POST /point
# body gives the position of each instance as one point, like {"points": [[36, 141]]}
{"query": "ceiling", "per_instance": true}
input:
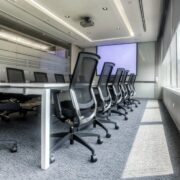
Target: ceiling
{"points": [[60, 19]]}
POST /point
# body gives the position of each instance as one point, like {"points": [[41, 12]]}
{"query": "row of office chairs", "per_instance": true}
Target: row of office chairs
{"points": [[17, 76], [90, 105]]}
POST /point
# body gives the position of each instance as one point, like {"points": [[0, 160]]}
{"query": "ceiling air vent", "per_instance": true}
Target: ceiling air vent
{"points": [[142, 14], [86, 22]]}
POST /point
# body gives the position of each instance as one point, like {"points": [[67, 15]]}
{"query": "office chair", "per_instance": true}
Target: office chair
{"points": [[81, 111], [7, 108], [40, 77], [133, 86], [124, 90], [117, 94], [15, 75], [27, 103], [132, 89], [104, 96], [59, 78], [120, 105]]}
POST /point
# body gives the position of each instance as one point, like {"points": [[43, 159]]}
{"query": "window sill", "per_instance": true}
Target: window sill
{"points": [[173, 90]]}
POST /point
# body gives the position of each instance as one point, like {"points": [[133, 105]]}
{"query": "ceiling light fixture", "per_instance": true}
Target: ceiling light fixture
{"points": [[67, 17], [118, 28], [56, 18], [124, 16], [12, 37], [104, 8]]}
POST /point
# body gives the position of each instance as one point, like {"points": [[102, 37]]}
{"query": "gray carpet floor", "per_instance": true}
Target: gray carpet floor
{"points": [[146, 147]]}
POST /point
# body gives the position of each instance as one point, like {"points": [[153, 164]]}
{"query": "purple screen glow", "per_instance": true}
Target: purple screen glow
{"points": [[123, 56]]}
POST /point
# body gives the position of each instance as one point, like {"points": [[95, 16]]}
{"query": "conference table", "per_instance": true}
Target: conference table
{"points": [[43, 90]]}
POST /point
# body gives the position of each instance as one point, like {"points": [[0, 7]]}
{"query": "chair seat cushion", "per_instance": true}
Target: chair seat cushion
{"points": [[68, 109], [9, 106]]}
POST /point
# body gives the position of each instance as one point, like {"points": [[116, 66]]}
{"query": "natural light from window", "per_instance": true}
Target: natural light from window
{"points": [[149, 156]]}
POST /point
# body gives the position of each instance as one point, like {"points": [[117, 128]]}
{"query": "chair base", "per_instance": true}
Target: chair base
{"points": [[13, 148], [75, 136], [120, 113], [104, 118], [96, 122]]}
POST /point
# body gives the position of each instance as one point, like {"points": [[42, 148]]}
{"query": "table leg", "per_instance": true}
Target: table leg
{"points": [[45, 129]]}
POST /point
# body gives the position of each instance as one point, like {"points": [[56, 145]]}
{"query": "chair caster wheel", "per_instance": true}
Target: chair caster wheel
{"points": [[116, 127], [136, 106], [52, 159], [131, 110], [108, 135], [126, 118], [93, 158], [99, 141], [14, 148], [126, 112]]}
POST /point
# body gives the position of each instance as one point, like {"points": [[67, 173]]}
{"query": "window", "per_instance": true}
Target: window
{"points": [[171, 63], [173, 59], [178, 55], [167, 69]]}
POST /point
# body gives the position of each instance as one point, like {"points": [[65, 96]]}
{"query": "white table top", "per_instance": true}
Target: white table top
{"points": [[34, 85], [37, 85]]}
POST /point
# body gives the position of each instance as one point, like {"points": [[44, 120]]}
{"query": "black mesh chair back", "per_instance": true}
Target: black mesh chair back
{"points": [[122, 82], [133, 80], [81, 91], [129, 84], [119, 74], [122, 76], [59, 78], [40, 77], [15, 75], [104, 79], [111, 79], [125, 75], [130, 79]]}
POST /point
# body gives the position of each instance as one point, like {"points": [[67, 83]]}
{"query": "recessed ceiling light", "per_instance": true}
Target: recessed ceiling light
{"points": [[118, 28], [13, 1], [67, 17], [104, 8]]}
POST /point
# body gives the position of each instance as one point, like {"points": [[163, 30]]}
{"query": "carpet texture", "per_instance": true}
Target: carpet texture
{"points": [[147, 147]]}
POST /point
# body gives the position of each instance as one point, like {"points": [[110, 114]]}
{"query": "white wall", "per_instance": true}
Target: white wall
{"points": [[74, 54], [145, 86], [30, 60]]}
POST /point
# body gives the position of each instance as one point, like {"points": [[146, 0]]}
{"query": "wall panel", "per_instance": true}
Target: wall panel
{"points": [[17, 56]]}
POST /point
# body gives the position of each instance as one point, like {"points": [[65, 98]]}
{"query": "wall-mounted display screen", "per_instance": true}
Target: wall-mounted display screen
{"points": [[123, 56]]}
